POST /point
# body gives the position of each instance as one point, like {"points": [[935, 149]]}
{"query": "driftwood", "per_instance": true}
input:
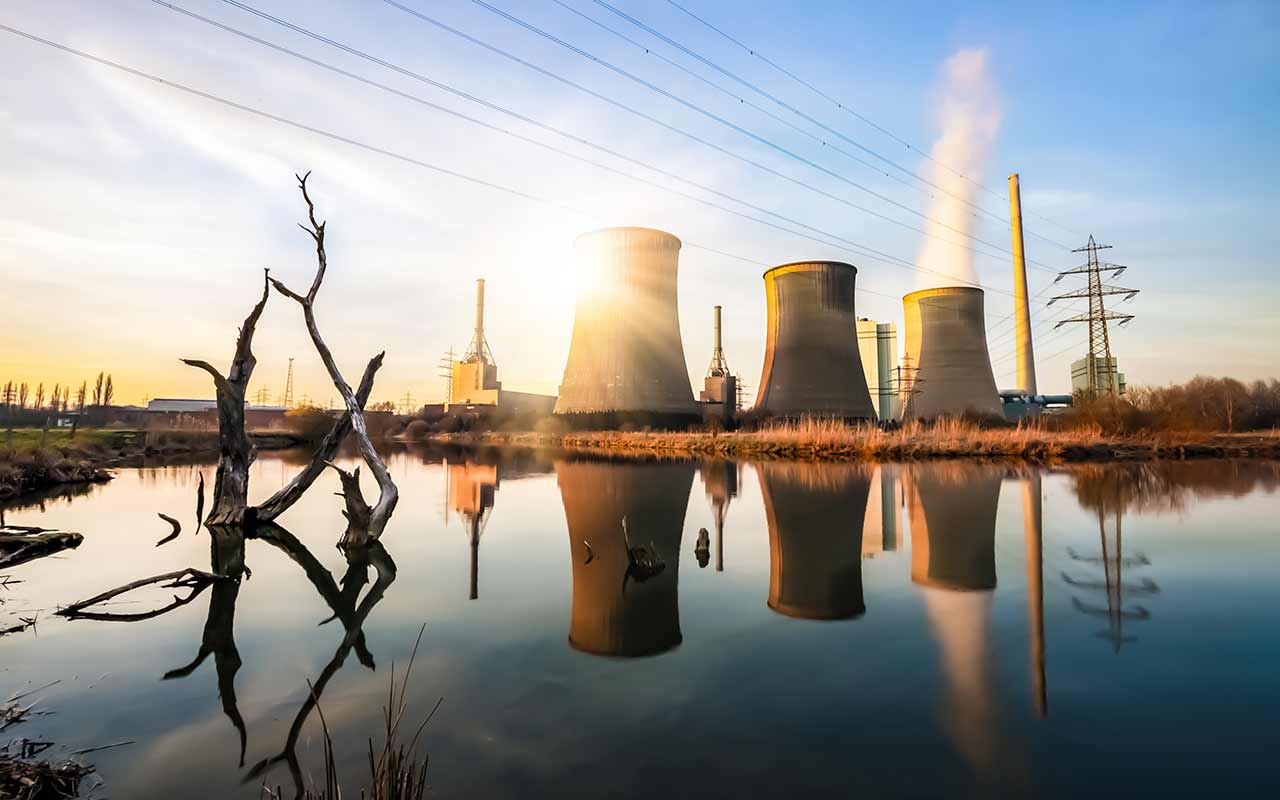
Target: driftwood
{"points": [[235, 450], [279, 502], [177, 529], [20, 544], [388, 494], [200, 503], [195, 580]]}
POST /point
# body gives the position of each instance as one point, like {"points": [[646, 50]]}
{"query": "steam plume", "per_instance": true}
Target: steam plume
{"points": [[969, 114]]}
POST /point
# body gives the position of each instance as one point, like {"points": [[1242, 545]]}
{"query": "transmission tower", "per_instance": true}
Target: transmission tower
{"points": [[408, 403], [1097, 316], [262, 396], [288, 387], [445, 371]]}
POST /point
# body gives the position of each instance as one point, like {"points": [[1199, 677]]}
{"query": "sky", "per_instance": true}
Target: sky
{"points": [[136, 219]]}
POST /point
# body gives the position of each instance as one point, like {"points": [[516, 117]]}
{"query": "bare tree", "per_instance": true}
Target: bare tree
{"points": [[388, 494], [55, 397], [80, 398], [97, 390], [22, 396], [39, 396], [235, 450], [108, 392]]}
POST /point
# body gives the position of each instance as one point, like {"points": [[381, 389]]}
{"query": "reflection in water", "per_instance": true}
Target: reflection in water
{"points": [[625, 523], [1033, 534], [884, 512], [815, 522], [953, 528], [472, 488], [720, 481]]}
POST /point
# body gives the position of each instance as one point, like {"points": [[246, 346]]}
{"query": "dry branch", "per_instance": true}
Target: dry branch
{"points": [[235, 450], [177, 529], [189, 578], [388, 494], [17, 546]]}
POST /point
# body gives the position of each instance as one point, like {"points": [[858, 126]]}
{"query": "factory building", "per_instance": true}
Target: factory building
{"points": [[815, 538], [626, 353], [625, 524], [812, 364], [474, 384], [878, 348], [1101, 366], [946, 366], [719, 396]]}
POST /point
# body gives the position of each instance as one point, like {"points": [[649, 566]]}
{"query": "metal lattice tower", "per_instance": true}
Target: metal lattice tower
{"points": [[408, 402], [478, 350], [288, 387], [445, 370], [1097, 316]]}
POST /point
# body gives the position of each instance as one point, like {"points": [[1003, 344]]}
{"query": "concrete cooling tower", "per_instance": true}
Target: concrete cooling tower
{"points": [[953, 526], [811, 359], [815, 517], [623, 606], [947, 369], [626, 353]]}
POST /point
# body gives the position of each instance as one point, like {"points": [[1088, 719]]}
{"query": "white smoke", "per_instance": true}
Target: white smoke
{"points": [[968, 113]]}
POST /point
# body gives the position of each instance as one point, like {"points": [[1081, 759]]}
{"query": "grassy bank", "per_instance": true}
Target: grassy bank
{"points": [[825, 440]]}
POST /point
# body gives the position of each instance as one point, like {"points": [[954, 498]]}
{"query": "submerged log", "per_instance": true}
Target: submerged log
{"points": [[195, 580], [235, 450], [18, 546]]}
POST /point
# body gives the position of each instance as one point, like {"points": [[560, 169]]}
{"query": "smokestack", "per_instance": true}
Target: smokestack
{"points": [[947, 369], [811, 359], [717, 323], [1026, 362], [479, 309]]}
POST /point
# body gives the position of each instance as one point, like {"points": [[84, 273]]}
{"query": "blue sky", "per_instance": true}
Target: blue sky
{"points": [[136, 219]]}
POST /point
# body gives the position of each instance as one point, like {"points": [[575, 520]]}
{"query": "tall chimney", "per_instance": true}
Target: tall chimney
{"points": [[1026, 362], [480, 310], [717, 317]]}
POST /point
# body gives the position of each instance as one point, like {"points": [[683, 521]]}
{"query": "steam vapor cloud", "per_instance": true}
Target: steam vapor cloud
{"points": [[968, 113]]}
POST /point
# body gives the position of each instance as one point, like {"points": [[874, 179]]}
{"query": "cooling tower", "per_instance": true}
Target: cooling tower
{"points": [[953, 526], [620, 608], [811, 359], [626, 353], [946, 366], [815, 516]]}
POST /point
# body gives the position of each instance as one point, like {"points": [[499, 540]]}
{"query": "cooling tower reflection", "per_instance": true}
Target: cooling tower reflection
{"points": [[625, 524], [815, 519], [953, 525]]}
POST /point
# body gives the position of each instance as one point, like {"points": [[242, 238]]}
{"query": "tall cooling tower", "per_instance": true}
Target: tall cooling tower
{"points": [[619, 609], [626, 353], [953, 526], [815, 516], [811, 359], [946, 366]]}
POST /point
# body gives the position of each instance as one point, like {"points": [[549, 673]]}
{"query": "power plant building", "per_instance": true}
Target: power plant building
{"points": [[946, 365], [474, 380], [719, 396], [626, 353], [812, 364], [1101, 366], [878, 347]]}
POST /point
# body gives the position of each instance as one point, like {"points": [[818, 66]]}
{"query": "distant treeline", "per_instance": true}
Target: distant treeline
{"points": [[24, 405], [1223, 405]]}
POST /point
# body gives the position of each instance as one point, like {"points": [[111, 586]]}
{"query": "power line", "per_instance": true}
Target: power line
{"points": [[855, 247], [694, 137], [843, 107], [783, 104]]}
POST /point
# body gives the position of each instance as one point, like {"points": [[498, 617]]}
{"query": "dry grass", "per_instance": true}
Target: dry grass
{"points": [[832, 440]]}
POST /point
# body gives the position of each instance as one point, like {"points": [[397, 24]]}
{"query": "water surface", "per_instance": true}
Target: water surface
{"points": [[921, 630]]}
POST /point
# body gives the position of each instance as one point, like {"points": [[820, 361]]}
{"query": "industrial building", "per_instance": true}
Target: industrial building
{"points": [[626, 353], [946, 366], [878, 348], [815, 538], [625, 523], [1101, 366], [719, 396], [812, 364], [474, 384]]}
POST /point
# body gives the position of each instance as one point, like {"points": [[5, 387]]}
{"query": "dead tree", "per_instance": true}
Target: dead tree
{"points": [[388, 495], [235, 450]]}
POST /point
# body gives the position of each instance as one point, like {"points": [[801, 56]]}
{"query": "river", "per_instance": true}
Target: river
{"points": [[944, 629]]}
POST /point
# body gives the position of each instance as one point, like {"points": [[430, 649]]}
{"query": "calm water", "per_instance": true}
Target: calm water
{"points": [[934, 630]]}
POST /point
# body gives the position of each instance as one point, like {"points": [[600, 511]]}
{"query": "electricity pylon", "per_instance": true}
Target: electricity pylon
{"points": [[1097, 316], [288, 387]]}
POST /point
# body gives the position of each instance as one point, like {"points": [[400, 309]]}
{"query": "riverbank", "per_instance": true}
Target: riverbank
{"points": [[37, 461], [821, 440]]}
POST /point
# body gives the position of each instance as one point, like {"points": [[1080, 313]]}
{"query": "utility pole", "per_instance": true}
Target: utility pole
{"points": [[1097, 316], [288, 387], [445, 370]]}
